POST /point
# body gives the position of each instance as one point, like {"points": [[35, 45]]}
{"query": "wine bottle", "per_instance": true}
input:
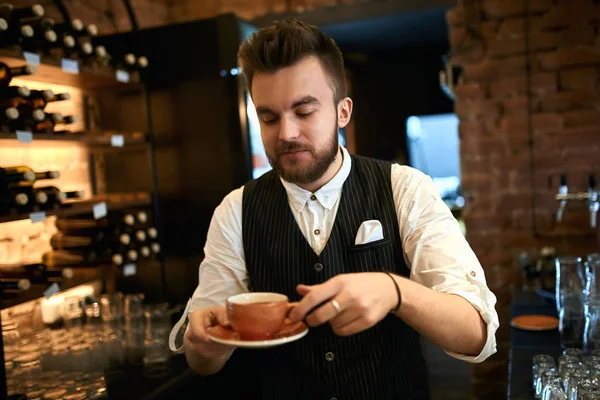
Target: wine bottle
{"points": [[61, 241], [152, 233], [132, 255], [17, 201], [141, 217], [75, 258], [155, 247], [40, 24], [40, 175], [8, 115], [41, 98], [73, 27], [13, 96], [14, 285], [40, 40], [140, 236], [3, 26], [53, 119], [145, 252], [142, 62], [11, 22], [16, 174], [7, 73], [14, 14], [55, 196], [28, 119], [67, 224], [102, 57], [127, 62], [35, 199], [35, 273], [91, 30]]}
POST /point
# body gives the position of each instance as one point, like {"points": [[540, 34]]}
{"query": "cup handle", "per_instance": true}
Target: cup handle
{"points": [[290, 307]]}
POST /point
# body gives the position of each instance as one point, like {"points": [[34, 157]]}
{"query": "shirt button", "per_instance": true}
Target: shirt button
{"points": [[318, 267], [317, 231], [473, 274], [329, 356], [313, 197]]}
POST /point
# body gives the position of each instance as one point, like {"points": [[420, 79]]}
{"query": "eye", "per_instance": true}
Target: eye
{"points": [[304, 115], [269, 120]]}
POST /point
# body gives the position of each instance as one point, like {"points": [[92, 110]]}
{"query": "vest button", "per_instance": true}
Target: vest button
{"points": [[329, 356], [318, 267]]}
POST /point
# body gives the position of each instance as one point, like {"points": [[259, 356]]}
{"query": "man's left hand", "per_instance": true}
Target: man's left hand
{"points": [[350, 302]]}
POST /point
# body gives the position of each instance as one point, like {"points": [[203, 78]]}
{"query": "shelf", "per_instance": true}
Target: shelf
{"points": [[118, 201], [50, 71], [91, 139], [81, 276]]}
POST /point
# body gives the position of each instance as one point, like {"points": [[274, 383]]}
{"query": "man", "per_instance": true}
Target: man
{"points": [[369, 249]]}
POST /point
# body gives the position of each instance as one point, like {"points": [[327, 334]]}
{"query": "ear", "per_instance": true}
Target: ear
{"points": [[344, 112]]}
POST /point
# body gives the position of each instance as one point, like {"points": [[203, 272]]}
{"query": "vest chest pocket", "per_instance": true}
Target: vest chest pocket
{"points": [[374, 256]]}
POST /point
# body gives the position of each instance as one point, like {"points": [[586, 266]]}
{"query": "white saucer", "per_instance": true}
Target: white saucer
{"points": [[227, 336]]}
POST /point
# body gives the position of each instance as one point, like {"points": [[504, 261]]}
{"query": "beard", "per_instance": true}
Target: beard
{"points": [[293, 171]]}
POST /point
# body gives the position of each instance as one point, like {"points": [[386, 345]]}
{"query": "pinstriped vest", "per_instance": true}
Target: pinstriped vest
{"points": [[383, 362]]}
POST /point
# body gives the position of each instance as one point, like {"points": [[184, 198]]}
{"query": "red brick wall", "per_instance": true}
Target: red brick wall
{"points": [[529, 111]]}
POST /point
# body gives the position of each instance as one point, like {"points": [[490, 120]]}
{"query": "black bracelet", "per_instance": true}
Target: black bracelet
{"points": [[395, 310]]}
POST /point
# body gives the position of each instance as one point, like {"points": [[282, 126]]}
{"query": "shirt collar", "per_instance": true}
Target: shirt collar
{"points": [[327, 195]]}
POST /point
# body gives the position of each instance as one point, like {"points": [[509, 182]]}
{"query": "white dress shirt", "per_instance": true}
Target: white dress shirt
{"points": [[435, 250]]}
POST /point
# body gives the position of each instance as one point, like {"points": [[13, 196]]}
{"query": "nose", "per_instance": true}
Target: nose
{"points": [[288, 130]]}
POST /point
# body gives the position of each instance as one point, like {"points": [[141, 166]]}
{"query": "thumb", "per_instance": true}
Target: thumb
{"points": [[222, 318]]}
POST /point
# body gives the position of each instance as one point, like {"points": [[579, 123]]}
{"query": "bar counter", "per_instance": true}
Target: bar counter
{"points": [[525, 344]]}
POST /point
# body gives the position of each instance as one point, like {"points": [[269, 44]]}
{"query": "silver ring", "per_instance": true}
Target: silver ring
{"points": [[336, 305]]}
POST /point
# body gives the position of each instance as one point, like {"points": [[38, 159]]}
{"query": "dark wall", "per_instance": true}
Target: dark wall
{"points": [[387, 87]]}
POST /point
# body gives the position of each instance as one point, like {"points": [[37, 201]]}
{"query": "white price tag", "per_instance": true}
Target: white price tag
{"points": [[122, 76], [117, 141], [100, 210], [37, 216], [54, 288], [70, 66], [129, 270], [24, 136], [31, 58]]}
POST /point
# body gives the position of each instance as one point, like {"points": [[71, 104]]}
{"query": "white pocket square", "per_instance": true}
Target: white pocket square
{"points": [[368, 232]]}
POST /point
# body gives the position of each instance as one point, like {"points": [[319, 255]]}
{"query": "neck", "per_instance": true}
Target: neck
{"points": [[333, 169]]}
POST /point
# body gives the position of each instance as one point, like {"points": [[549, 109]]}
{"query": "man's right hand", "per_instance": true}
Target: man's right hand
{"points": [[205, 356]]}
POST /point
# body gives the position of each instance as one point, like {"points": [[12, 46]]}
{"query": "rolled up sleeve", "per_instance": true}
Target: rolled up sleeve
{"points": [[437, 252]]}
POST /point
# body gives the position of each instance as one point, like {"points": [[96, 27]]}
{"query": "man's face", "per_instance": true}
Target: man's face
{"points": [[298, 120]]}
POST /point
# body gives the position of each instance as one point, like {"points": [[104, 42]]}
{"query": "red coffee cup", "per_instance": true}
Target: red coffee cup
{"points": [[258, 316]]}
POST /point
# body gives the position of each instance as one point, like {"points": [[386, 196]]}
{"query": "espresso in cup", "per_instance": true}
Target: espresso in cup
{"points": [[258, 316]]}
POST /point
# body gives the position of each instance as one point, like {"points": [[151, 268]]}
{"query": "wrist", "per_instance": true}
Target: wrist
{"points": [[395, 294]]}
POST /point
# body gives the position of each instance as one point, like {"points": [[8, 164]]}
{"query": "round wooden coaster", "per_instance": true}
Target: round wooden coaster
{"points": [[535, 322]]}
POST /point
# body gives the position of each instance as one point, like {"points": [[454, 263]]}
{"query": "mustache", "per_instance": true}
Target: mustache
{"points": [[286, 147]]}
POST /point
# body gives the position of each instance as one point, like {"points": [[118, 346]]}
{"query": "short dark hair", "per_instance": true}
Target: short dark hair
{"points": [[285, 43]]}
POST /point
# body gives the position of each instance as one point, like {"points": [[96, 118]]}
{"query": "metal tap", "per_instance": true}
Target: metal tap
{"points": [[593, 201], [563, 190], [592, 196]]}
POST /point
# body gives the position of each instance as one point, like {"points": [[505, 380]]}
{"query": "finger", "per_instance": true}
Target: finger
{"points": [[303, 289], [328, 311], [357, 325], [344, 318], [200, 320], [315, 296]]}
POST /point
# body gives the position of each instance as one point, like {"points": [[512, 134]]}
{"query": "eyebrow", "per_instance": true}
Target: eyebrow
{"points": [[303, 101]]}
